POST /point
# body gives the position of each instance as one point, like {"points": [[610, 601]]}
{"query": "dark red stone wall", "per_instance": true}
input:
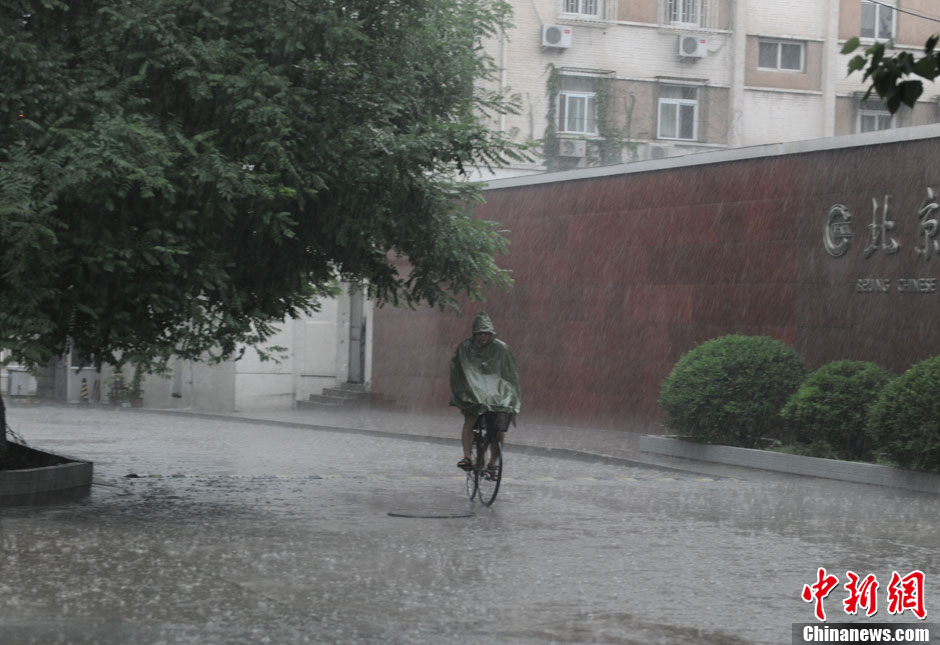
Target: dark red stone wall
{"points": [[617, 276]]}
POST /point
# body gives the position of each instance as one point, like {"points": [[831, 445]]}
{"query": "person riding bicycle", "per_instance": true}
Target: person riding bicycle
{"points": [[484, 378]]}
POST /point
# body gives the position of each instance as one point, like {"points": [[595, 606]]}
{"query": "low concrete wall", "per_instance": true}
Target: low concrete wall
{"points": [[851, 471], [34, 481]]}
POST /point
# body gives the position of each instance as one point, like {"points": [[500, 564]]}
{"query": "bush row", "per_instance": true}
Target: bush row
{"points": [[742, 390]]}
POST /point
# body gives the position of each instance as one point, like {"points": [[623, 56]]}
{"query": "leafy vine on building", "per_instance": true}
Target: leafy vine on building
{"points": [[613, 142]]}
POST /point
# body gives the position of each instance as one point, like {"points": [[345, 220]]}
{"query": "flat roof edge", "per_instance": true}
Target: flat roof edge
{"points": [[881, 137]]}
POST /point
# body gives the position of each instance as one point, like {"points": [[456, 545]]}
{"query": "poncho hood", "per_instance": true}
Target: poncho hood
{"points": [[483, 323]]}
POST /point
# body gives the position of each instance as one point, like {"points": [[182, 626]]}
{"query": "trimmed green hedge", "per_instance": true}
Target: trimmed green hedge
{"points": [[831, 408], [730, 389], [905, 421], [735, 390]]}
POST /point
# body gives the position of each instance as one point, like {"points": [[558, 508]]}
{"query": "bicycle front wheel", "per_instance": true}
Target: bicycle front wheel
{"points": [[491, 473]]}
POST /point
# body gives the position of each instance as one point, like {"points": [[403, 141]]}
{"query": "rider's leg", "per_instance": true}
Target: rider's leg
{"points": [[492, 460], [501, 422], [467, 434]]}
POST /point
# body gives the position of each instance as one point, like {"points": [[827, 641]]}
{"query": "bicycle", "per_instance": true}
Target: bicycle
{"points": [[482, 480]]}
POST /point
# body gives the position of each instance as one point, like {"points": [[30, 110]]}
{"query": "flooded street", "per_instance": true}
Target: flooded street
{"points": [[234, 532]]}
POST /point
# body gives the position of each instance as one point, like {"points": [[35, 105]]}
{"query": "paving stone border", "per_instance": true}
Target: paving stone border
{"points": [[26, 484], [851, 471]]}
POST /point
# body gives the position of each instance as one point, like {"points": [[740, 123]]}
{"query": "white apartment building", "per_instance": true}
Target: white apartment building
{"points": [[323, 350], [320, 351], [609, 81]]}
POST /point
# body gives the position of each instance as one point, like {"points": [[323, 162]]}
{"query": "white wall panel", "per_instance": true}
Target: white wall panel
{"points": [[801, 18], [774, 117]]}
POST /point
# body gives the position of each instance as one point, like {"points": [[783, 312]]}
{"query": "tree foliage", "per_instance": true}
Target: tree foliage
{"points": [[178, 175], [889, 74]]}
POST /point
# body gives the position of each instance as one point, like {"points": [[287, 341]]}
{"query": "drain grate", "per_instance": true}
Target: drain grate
{"points": [[442, 515]]}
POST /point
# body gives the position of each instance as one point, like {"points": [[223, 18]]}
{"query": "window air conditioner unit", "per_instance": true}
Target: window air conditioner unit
{"points": [[556, 36], [657, 152], [693, 46], [572, 147]]}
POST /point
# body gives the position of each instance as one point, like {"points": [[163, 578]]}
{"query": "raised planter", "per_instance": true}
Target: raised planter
{"points": [[47, 477], [851, 471]]}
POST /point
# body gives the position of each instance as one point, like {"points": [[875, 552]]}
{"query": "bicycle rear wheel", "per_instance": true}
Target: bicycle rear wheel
{"points": [[473, 475], [489, 478]]}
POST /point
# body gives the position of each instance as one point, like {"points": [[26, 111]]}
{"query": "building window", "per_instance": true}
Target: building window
{"points": [[872, 116], [582, 7], [684, 12], [577, 105], [878, 19], [780, 55], [577, 113], [678, 112]]}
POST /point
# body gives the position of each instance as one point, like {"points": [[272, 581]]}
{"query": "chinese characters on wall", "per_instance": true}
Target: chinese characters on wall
{"points": [[883, 233]]}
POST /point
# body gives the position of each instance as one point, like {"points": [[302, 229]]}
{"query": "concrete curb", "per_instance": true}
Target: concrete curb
{"points": [[28, 484], [850, 471]]}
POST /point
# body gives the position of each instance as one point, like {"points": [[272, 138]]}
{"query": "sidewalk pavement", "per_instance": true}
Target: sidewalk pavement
{"points": [[440, 427], [607, 445], [590, 444]]}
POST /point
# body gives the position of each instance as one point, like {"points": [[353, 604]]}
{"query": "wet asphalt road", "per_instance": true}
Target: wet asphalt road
{"points": [[252, 533]]}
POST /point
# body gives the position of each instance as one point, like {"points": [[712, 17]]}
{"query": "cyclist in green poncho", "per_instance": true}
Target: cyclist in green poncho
{"points": [[484, 377]]}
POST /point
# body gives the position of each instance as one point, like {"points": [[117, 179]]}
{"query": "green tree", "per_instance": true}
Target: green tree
{"points": [[178, 175], [890, 74]]}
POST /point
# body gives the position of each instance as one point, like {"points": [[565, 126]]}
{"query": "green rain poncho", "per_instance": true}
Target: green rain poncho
{"points": [[484, 378]]}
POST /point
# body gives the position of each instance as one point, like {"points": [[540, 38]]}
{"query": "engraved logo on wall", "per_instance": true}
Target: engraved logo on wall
{"points": [[839, 234]]}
